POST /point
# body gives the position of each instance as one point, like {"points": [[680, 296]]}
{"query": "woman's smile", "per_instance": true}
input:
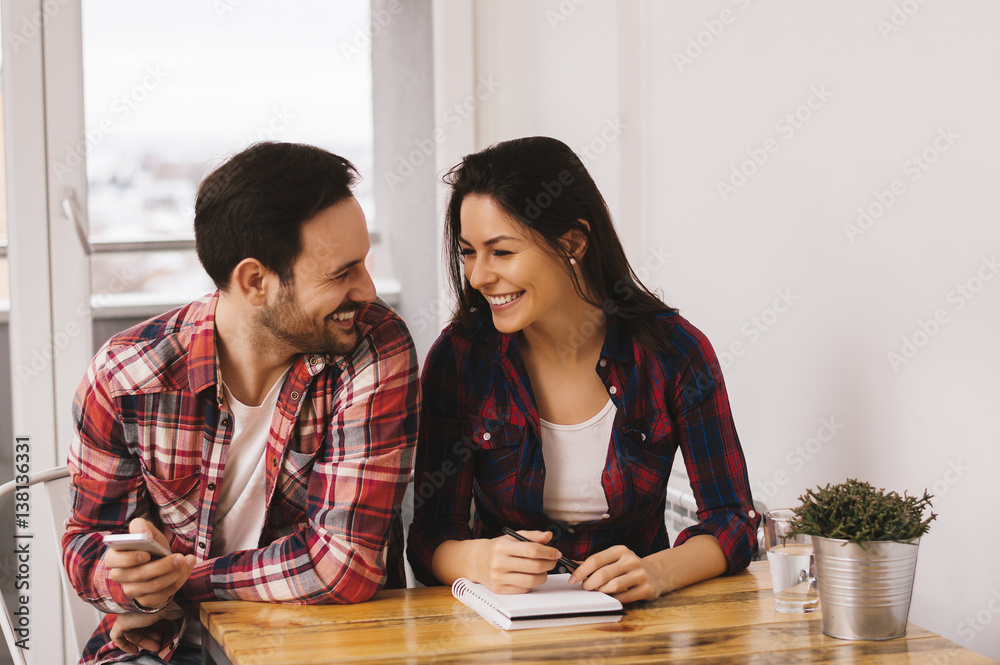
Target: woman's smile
{"points": [[498, 303]]}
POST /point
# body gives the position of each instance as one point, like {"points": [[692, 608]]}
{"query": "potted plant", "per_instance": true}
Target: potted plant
{"points": [[865, 542]]}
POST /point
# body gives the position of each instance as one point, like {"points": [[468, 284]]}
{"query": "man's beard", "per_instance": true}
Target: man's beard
{"points": [[287, 323]]}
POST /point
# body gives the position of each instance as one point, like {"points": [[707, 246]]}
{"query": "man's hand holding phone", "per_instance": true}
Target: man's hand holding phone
{"points": [[148, 572]]}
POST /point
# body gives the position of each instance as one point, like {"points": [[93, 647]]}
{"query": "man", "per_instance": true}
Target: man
{"points": [[263, 433]]}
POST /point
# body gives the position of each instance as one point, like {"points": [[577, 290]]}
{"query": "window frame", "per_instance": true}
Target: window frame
{"points": [[50, 323]]}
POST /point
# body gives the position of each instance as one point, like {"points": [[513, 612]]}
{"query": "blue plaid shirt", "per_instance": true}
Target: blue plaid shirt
{"points": [[479, 443]]}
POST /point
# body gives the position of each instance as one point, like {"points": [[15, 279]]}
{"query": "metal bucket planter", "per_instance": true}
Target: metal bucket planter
{"points": [[864, 594]]}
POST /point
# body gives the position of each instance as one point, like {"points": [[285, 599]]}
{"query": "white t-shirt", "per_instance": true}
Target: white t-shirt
{"points": [[575, 456], [239, 515]]}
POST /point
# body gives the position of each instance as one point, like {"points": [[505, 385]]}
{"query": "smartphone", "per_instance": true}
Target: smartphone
{"points": [[136, 541]]}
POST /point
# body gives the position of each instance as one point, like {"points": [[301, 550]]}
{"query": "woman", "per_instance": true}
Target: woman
{"points": [[558, 397]]}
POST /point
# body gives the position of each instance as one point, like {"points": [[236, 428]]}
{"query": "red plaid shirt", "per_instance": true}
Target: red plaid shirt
{"points": [[152, 431], [479, 442]]}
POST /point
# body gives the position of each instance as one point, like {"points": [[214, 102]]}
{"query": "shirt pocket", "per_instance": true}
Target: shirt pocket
{"points": [[649, 448], [293, 483], [176, 503], [499, 450]]}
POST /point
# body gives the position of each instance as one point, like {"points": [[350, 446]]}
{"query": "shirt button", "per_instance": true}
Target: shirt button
{"points": [[274, 462], [225, 422], [211, 487], [605, 516], [295, 394], [613, 390], [603, 363], [643, 436], [570, 530], [487, 436], [201, 546], [751, 514], [313, 361]]}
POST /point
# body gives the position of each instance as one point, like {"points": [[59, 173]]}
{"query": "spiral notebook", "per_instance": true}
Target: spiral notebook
{"points": [[554, 603]]}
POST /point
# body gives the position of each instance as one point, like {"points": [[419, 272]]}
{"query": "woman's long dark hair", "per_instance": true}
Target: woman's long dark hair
{"points": [[544, 187]]}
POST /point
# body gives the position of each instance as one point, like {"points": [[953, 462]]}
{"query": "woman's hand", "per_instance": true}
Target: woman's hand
{"points": [[507, 565], [619, 572]]}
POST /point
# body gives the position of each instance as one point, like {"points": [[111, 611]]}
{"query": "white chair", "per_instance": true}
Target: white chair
{"points": [[83, 618]]}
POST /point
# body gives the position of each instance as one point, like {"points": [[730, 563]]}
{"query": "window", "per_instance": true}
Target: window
{"points": [[115, 110], [172, 89]]}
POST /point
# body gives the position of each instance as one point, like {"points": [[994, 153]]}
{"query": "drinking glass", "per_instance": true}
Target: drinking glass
{"points": [[793, 567]]}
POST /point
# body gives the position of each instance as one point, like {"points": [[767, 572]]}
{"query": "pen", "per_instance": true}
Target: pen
{"points": [[565, 565]]}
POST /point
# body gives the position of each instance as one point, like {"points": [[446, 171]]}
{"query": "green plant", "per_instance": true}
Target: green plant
{"points": [[857, 512]]}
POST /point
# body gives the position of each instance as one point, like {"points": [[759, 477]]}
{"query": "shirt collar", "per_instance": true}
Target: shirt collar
{"points": [[203, 358], [618, 342], [203, 361]]}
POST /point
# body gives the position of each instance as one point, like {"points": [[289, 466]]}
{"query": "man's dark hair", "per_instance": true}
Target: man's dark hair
{"points": [[254, 205]]}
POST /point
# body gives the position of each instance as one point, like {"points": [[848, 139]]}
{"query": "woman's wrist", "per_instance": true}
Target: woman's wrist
{"points": [[658, 571], [479, 559], [459, 558]]}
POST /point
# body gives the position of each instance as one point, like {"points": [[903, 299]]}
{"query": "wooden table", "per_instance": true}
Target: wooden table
{"points": [[725, 620]]}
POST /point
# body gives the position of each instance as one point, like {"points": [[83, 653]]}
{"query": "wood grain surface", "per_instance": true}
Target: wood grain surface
{"points": [[725, 620]]}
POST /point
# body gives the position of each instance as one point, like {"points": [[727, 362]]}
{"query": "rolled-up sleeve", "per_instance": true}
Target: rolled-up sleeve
{"points": [[712, 453], [106, 492]]}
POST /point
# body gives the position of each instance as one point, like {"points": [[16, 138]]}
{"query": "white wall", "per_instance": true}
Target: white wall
{"points": [[819, 367]]}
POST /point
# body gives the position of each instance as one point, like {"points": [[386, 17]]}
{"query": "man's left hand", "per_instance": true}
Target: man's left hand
{"points": [[135, 631]]}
